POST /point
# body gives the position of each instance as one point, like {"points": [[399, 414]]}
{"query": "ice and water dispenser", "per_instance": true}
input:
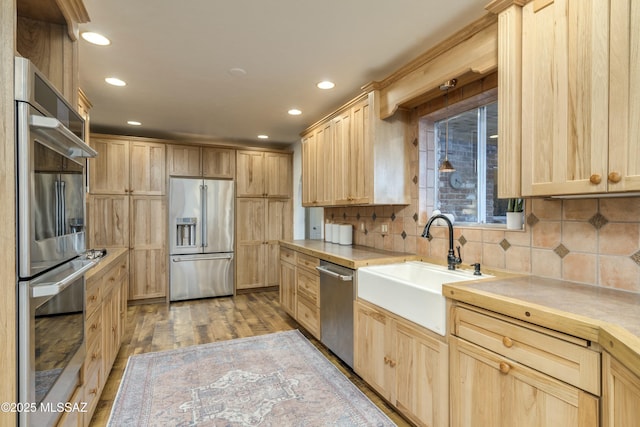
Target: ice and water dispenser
{"points": [[186, 231]]}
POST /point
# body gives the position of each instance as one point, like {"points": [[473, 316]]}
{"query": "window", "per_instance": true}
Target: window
{"points": [[470, 192]]}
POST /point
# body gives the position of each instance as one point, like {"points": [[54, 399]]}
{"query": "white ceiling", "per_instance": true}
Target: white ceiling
{"points": [[176, 55]]}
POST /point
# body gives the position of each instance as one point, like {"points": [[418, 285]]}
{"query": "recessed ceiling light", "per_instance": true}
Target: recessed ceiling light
{"points": [[326, 84], [134, 123], [294, 112], [238, 72], [493, 136], [263, 136], [115, 81], [95, 38]]}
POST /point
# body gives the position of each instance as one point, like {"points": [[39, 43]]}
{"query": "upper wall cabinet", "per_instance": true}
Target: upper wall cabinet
{"points": [[194, 161], [580, 94], [369, 156], [263, 174]]}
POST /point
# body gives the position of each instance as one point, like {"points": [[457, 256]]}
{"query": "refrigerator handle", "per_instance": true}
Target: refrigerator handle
{"points": [[57, 206], [203, 189], [63, 209]]}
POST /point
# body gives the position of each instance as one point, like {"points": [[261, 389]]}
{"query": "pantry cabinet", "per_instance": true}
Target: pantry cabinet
{"points": [[620, 394], [369, 157], [570, 89], [127, 207], [405, 363], [544, 377], [260, 224]]}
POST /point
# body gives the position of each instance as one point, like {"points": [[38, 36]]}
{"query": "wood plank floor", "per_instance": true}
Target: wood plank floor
{"points": [[156, 327]]}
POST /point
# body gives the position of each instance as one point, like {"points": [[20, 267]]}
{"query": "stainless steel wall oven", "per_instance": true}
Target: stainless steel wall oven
{"points": [[51, 159]]}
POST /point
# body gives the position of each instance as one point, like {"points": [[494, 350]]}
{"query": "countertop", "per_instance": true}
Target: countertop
{"points": [[106, 261], [352, 256], [606, 316]]}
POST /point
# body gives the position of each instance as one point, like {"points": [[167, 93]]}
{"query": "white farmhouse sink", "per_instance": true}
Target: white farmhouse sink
{"points": [[412, 290]]}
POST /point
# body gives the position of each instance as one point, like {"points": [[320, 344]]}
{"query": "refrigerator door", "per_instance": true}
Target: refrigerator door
{"points": [[219, 207], [201, 276], [185, 216]]}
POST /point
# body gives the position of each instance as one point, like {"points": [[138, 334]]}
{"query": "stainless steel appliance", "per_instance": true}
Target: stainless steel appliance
{"points": [[201, 235], [337, 294], [50, 216]]}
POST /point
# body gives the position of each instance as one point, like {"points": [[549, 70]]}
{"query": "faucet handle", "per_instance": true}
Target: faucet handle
{"points": [[459, 260]]}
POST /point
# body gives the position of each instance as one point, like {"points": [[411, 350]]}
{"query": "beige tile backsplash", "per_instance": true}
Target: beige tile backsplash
{"points": [[594, 241]]}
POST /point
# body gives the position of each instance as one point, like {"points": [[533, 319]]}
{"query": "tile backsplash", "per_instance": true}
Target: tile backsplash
{"points": [[594, 241]]}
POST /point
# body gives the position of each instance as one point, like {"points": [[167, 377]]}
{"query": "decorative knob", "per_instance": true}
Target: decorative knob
{"points": [[386, 360], [614, 177], [507, 342], [595, 179], [504, 367], [392, 363]]}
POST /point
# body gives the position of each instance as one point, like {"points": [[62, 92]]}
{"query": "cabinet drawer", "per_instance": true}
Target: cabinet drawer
{"points": [[307, 261], [564, 360], [92, 391], [93, 297], [93, 359], [309, 316], [309, 286], [287, 255]]}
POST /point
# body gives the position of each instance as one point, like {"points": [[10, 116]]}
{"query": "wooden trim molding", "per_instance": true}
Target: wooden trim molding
{"points": [[74, 14], [497, 6], [469, 55]]}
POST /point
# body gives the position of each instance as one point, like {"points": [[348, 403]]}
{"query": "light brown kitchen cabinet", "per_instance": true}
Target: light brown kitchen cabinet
{"points": [[104, 326], [263, 174], [287, 289], [109, 170], [147, 170], [405, 363], [84, 109], [148, 247], [620, 394], [577, 74], [542, 376], [108, 221], [370, 161], [195, 161], [317, 181], [308, 293], [260, 224]]}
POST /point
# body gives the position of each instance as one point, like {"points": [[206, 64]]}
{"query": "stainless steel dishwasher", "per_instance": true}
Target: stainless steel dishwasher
{"points": [[337, 293]]}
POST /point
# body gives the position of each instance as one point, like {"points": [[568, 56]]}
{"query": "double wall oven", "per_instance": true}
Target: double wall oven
{"points": [[51, 159]]}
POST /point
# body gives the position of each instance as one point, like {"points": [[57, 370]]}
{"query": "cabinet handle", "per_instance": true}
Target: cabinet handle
{"points": [[93, 327], [504, 367], [94, 356], [392, 363], [614, 177], [93, 391], [595, 179], [507, 342], [386, 360], [93, 298]]}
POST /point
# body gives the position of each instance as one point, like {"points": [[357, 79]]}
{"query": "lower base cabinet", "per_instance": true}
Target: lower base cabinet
{"points": [[504, 373], [620, 394], [405, 363]]}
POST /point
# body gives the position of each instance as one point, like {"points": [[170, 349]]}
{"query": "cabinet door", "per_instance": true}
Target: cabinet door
{"points": [[341, 160], [565, 97], [279, 220], [309, 171], [148, 168], [324, 165], [109, 170], [624, 97], [148, 244], [422, 376], [183, 160], [620, 394], [288, 288], [108, 222], [359, 172], [250, 174], [250, 243], [278, 174], [490, 390], [372, 352], [218, 162]]}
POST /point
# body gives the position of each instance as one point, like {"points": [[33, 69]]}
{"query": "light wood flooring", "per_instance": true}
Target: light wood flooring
{"points": [[156, 327]]}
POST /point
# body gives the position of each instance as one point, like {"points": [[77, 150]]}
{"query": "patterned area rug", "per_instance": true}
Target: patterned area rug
{"points": [[278, 379]]}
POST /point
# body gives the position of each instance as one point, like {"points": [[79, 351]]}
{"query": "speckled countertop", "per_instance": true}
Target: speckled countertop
{"points": [[606, 316], [348, 256]]}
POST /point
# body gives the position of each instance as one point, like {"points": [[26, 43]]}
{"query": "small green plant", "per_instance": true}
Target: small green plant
{"points": [[515, 205]]}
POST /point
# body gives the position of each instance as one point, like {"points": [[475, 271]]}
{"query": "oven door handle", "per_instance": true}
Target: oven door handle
{"points": [[48, 289], [52, 129]]}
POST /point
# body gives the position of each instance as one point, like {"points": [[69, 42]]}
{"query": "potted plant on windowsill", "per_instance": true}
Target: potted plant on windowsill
{"points": [[515, 214]]}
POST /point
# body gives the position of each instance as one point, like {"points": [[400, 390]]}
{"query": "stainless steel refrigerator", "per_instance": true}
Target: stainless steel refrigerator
{"points": [[201, 232]]}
